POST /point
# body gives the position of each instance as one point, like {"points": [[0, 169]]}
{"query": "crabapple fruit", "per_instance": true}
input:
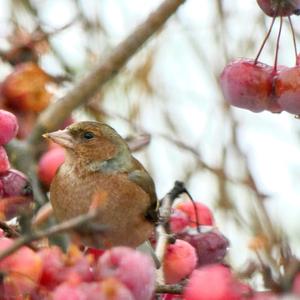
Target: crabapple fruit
{"points": [[247, 84], [131, 267], [8, 126], [49, 163], [179, 261], [281, 8]]}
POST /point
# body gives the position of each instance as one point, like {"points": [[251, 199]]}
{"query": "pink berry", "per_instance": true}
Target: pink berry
{"points": [[1, 189], [214, 282], [49, 163], [8, 126], [296, 284], [109, 289], [15, 183], [205, 216], [178, 221], [211, 247], [132, 268], [68, 291], [287, 89], [4, 162], [23, 262], [247, 85], [179, 262], [53, 266], [96, 253], [279, 8]]}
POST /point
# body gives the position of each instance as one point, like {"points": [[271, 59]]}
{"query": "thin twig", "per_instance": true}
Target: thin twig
{"points": [[163, 230], [176, 289], [10, 232], [59, 228]]}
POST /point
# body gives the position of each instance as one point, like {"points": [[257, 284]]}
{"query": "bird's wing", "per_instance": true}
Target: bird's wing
{"points": [[144, 180]]}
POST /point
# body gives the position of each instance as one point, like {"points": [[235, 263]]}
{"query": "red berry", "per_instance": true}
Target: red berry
{"points": [[68, 291], [205, 216], [214, 282], [247, 85], [296, 284], [25, 88], [113, 289], [211, 247], [4, 162], [279, 7], [49, 163], [8, 126], [15, 183], [1, 189], [178, 221], [22, 270], [96, 253], [132, 268], [53, 266], [179, 262], [109, 289], [287, 89], [58, 267]]}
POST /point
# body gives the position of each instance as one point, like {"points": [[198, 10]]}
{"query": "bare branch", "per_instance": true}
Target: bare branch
{"points": [[59, 228], [163, 229], [176, 289], [56, 113]]}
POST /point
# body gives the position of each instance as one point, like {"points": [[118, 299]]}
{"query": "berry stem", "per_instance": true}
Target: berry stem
{"points": [[195, 208], [265, 40], [277, 45], [294, 38]]}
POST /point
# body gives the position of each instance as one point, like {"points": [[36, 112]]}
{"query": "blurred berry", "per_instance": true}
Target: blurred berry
{"points": [[179, 261], [214, 282], [22, 270], [25, 88], [178, 221], [15, 183], [287, 89], [4, 162], [211, 247], [133, 268], [8, 126], [205, 216], [247, 84], [49, 163], [279, 8]]}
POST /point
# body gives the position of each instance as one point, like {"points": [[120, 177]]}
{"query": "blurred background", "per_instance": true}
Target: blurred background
{"points": [[233, 160]]}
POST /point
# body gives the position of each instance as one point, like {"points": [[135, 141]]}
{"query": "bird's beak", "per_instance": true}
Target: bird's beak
{"points": [[61, 137]]}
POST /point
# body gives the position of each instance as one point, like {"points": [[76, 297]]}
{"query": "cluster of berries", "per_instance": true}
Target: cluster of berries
{"points": [[15, 190], [120, 274], [252, 85]]}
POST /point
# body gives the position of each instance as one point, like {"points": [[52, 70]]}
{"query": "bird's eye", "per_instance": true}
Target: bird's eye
{"points": [[88, 135]]}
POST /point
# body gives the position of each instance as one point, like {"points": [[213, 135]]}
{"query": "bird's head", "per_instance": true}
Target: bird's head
{"points": [[89, 141]]}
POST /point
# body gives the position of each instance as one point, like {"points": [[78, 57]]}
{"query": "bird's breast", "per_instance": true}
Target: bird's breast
{"points": [[122, 204]]}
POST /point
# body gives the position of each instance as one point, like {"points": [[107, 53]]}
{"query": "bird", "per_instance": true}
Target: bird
{"points": [[98, 162]]}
